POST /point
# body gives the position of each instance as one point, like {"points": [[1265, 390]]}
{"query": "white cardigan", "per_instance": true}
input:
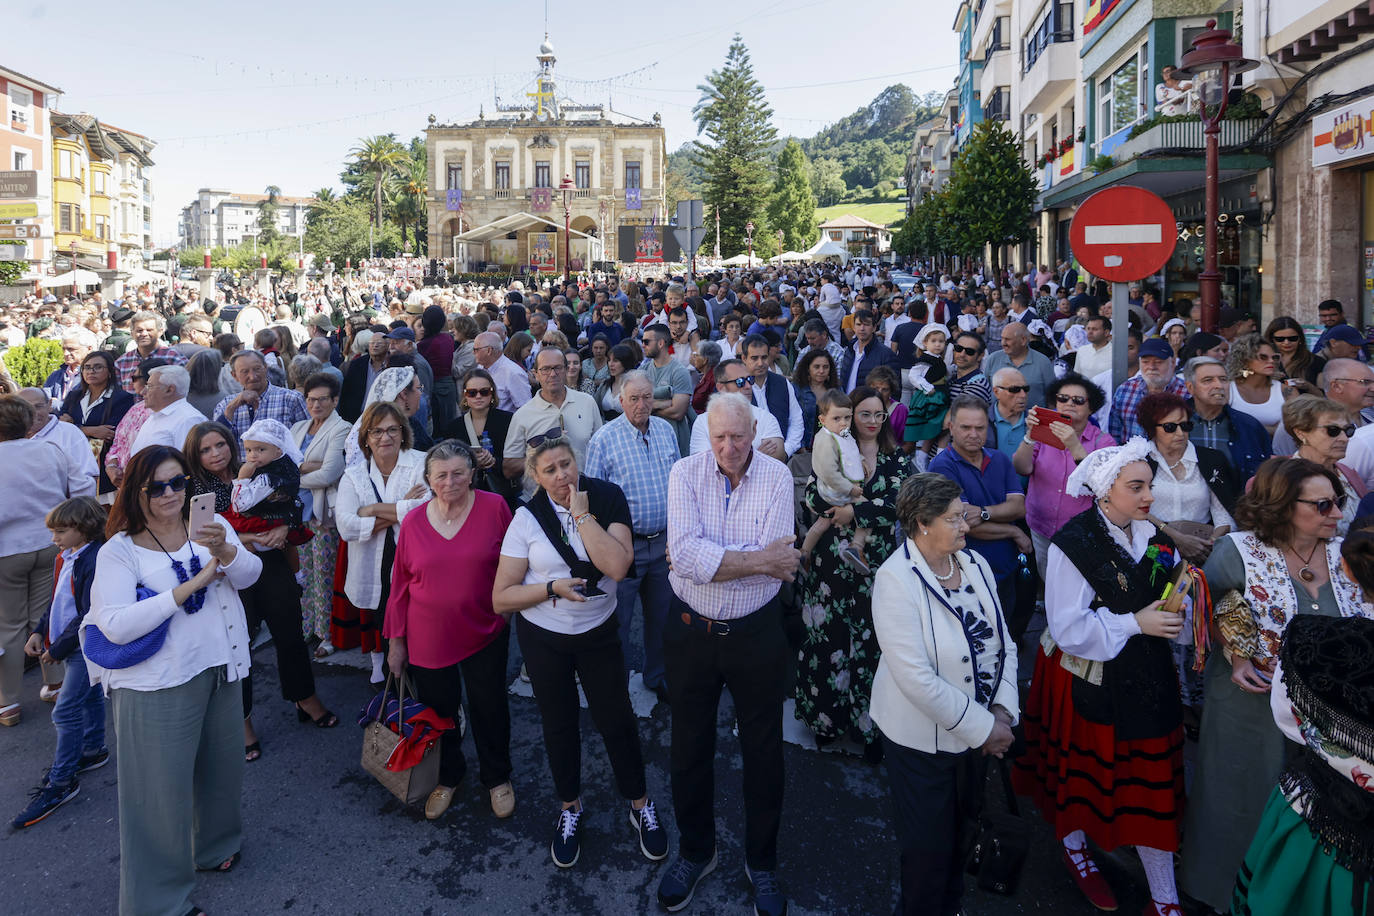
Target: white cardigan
{"points": [[327, 446], [923, 691], [363, 583]]}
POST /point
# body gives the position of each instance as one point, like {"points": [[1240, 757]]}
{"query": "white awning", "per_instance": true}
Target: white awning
{"points": [[508, 224]]}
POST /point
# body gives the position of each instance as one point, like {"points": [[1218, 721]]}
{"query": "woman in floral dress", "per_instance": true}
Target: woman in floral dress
{"points": [[839, 652]]}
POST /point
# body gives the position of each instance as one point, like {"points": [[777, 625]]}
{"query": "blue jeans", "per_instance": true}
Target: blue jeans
{"points": [[79, 717], [650, 583]]}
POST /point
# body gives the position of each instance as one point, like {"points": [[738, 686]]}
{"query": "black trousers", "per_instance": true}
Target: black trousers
{"points": [[751, 660], [596, 657], [441, 689], [275, 599], [929, 797]]}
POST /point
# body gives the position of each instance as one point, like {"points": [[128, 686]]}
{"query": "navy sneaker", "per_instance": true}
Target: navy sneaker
{"points": [[94, 761], [680, 882], [45, 800], [653, 839], [565, 848], [769, 899]]}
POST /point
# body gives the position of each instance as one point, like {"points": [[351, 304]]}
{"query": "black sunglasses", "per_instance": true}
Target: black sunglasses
{"points": [[1324, 506], [1015, 389], [157, 488], [971, 351], [476, 392], [1076, 399], [1333, 430], [1186, 426], [740, 382], [548, 435], [1287, 338]]}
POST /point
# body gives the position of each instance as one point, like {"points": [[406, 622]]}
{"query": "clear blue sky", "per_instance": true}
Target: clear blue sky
{"points": [[244, 95]]}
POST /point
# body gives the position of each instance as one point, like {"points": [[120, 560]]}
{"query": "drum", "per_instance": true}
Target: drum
{"points": [[249, 321]]}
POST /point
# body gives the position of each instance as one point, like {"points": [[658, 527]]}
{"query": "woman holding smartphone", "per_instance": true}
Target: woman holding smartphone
{"points": [[558, 560]]}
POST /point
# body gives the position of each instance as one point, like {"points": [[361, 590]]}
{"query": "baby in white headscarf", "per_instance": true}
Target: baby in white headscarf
{"points": [[267, 490]]}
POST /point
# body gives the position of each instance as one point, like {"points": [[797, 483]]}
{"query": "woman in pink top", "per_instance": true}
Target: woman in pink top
{"points": [[440, 621], [1048, 468]]}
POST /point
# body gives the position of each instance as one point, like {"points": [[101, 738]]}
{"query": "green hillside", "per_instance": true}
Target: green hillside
{"points": [[883, 214]]}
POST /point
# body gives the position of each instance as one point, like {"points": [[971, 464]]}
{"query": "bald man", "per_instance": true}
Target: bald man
{"points": [[512, 381], [1349, 383]]}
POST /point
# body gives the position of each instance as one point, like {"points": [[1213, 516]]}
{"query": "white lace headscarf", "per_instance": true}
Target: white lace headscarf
{"points": [[274, 432], [1097, 472], [386, 387]]}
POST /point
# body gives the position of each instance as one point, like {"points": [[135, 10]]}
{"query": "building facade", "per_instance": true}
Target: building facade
{"points": [[101, 193], [494, 184], [218, 218], [930, 158], [26, 145]]}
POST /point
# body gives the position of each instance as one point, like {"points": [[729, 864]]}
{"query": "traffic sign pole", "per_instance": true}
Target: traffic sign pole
{"points": [[1121, 323]]}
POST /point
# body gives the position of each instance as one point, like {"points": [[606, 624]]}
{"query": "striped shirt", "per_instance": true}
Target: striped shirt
{"points": [[638, 463], [706, 517]]}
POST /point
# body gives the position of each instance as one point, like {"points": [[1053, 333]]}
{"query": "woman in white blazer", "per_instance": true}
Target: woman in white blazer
{"points": [[945, 690], [321, 440], [374, 496]]}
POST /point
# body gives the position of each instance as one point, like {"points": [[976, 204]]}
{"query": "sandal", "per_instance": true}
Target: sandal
{"points": [[227, 865], [252, 751], [327, 720]]}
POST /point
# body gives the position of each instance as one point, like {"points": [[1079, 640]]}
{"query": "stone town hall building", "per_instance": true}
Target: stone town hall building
{"points": [[494, 182]]}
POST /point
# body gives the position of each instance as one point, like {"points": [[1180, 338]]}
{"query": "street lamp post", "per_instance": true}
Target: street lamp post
{"points": [[567, 185], [1214, 60], [781, 236], [749, 237]]}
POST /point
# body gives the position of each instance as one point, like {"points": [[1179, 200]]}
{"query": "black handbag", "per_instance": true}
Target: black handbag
{"points": [[1000, 841]]}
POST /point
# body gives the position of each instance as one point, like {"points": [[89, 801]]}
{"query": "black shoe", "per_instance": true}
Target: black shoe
{"points": [[45, 799], [94, 761], [326, 720], [769, 899], [653, 839], [681, 880], [565, 848]]}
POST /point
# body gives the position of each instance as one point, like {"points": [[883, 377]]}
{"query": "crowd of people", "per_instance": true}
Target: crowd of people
{"points": [[817, 483]]}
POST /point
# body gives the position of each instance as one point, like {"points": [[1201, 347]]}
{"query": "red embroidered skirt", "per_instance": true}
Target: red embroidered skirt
{"points": [[1120, 793], [351, 627]]}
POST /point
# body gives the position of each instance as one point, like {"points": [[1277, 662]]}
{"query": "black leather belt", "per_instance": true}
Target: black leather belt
{"points": [[649, 537]]}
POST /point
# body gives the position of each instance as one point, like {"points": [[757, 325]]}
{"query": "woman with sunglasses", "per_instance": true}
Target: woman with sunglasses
{"points": [[1322, 428], [1252, 365], [482, 426], [178, 712], [1047, 468], [1297, 362], [97, 404], [1284, 561]]}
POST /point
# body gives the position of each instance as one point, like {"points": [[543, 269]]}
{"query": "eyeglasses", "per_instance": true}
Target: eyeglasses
{"points": [[869, 416], [1286, 338], [1186, 426], [477, 392], [739, 382], [1324, 506], [384, 432], [536, 441], [550, 370], [1075, 399], [157, 488], [956, 521], [1014, 389], [1366, 382], [1334, 430], [318, 402], [484, 347], [971, 351]]}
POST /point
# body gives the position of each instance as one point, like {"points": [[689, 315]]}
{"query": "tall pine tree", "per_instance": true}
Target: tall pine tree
{"points": [[733, 115], [792, 208]]}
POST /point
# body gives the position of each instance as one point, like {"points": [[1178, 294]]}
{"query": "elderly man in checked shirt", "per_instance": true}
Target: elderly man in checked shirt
{"points": [[730, 544]]}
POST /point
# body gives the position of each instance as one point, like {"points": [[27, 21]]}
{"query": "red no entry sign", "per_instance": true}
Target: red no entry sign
{"points": [[1123, 234]]}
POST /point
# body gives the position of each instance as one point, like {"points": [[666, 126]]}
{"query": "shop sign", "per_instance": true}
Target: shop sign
{"points": [[1344, 134]]}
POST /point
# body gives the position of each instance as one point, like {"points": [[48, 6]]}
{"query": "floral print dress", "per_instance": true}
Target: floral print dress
{"points": [[839, 651]]}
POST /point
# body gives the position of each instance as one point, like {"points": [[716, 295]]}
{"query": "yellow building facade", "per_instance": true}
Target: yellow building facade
{"points": [[85, 177]]}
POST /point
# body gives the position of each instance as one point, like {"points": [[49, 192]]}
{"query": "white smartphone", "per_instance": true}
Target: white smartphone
{"points": [[202, 512]]}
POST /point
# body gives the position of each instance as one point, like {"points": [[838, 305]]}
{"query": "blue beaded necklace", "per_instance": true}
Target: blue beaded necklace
{"points": [[197, 598]]}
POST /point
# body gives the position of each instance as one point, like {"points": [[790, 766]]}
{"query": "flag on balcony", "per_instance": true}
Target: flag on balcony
{"points": [[541, 200], [454, 199], [632, 200], [1098, 10], [1066, 161]]}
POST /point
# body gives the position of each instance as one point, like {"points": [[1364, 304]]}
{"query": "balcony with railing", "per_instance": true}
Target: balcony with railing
{"points": [[1185, 136], [1050, 60], [997, 107]]}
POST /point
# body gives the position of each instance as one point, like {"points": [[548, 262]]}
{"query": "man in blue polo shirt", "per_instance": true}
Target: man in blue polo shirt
{"points": [[991, 490]]}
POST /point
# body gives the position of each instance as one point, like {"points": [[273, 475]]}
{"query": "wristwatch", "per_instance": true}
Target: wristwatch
{"points": [[984, 514], [548, 588]]}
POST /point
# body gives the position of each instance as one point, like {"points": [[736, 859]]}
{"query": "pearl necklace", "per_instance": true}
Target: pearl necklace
{"points": [[949, 575]]}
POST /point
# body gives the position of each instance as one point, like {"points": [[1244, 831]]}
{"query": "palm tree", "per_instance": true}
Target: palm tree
{"points": [[378, 157], [411, 187], [323, 199], [272, 192]]}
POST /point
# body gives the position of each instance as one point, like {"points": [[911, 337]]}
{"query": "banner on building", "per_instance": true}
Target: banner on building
{"points": [[1066, 162], [541, 200], [632, 199], [503, 252], [454, 199], [543, 251], [1098, 10], [648, 245], [1344, 134]]}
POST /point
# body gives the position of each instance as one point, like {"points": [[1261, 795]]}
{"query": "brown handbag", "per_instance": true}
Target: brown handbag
{"points": [[413, 785]]}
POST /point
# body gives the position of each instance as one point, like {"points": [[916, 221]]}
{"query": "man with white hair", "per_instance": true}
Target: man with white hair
{"points": [[512, 381], [81, 469], [76, 343], [731, 533], [172, 415]]}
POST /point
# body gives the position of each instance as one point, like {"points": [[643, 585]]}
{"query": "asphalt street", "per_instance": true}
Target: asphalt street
{"points": [[322, 837]]}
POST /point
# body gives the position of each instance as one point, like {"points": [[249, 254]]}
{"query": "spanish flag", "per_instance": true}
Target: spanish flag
{"points": [[1097, 11]]}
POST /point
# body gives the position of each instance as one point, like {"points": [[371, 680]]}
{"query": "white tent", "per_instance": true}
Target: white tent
{"points": [[739, 260], [788, 256], [142, 275], [828, 248], [73, 278]]}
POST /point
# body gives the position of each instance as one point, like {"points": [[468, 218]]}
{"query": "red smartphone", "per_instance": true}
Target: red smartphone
{"points": [[1041, 433]]}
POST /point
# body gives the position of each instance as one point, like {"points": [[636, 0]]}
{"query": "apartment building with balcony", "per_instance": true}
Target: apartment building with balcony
{"points": [[494, 182], [26, 146], [101, 193], [220, 218], [967, 85], [993, 43], [931, 156]]}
